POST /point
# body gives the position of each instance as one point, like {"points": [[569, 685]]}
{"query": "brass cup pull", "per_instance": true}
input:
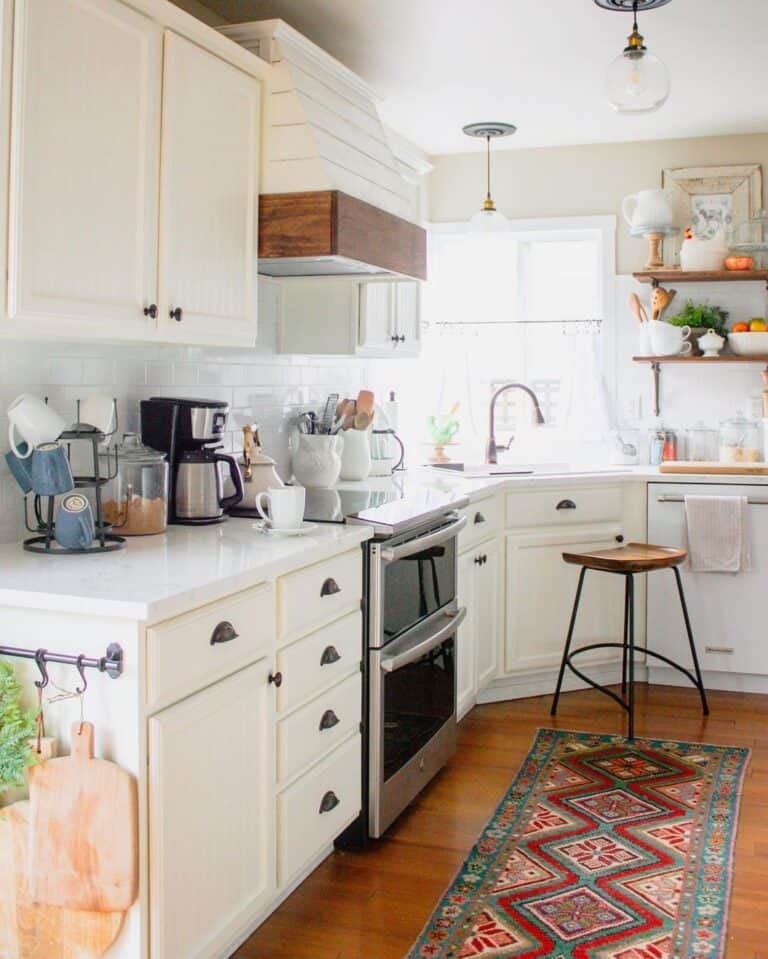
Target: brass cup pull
{"points": [[330, 587], [276, 679], [329, 720], [224, 633], [330, 655], [566, 504], [329, 801]]}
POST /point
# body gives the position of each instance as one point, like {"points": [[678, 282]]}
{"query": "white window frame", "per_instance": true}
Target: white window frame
{"points": [[601, 228]]}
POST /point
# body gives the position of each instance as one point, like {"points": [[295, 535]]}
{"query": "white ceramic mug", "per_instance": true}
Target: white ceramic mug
{"points": [[668, 340], [286, 506], [98, 410], [34, 422]]}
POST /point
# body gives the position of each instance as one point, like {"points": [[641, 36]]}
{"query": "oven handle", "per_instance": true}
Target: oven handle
{"points": [[419, 647], [393, 553]]}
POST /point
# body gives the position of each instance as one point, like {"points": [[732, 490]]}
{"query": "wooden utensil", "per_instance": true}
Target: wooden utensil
{"points": [[362, 420], [637, 308], [660, 300], [32, 931], [83, 830], [365, 402]]}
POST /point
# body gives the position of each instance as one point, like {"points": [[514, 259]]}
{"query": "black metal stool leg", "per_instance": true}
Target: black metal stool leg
{"points": [[691, 643], [631, 652], [568, 641], [626, 639]]}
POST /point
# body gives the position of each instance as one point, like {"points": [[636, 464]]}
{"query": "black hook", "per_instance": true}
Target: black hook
{"points": [[81, 670], [40, 660]]}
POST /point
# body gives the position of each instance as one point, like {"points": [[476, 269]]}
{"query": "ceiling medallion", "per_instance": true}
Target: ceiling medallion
{"points": [[627, 6]]}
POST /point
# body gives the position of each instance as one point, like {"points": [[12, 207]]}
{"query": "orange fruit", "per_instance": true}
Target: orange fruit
{"points": [[740, 328], [758, 326]]}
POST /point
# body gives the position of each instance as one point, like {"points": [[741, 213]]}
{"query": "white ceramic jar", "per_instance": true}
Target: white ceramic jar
{"points": [[316, 459], [356, 455]]}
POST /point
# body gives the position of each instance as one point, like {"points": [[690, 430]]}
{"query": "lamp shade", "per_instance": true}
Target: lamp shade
{"points": [[637, 82]]}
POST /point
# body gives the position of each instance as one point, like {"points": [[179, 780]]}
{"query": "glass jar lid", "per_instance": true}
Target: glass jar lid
{"points": [[132, 450]]}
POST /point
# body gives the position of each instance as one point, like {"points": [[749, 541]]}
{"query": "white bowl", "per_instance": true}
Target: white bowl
{"points": [[749, 344]]}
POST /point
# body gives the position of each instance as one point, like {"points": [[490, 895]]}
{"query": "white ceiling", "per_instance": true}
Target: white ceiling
{"points": [[538, 63]]}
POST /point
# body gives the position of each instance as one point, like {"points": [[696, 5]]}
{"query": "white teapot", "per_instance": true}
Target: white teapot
{"points": [[648, 209], [316, 459]]}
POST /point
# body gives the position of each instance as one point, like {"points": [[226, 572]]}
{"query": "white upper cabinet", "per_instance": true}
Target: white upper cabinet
{"points": [[408, 317], [84, 169], [377, 316], [209, 197]]}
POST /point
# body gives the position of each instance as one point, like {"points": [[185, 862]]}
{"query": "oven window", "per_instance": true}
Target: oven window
{"points": [[417, 586], [418, 699]]}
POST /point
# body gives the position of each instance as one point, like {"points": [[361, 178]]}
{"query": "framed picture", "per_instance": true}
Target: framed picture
{"points": [[710, 199]]}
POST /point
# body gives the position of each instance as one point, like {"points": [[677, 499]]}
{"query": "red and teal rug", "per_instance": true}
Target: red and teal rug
{"points": [[601, 849]]}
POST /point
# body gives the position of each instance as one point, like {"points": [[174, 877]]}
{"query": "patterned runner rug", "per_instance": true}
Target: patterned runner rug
{"points": [[601, 849]]}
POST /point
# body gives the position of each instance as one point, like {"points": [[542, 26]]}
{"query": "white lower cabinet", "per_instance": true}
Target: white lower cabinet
{"points": [[479, 590], [211, 815], [541, 588]]}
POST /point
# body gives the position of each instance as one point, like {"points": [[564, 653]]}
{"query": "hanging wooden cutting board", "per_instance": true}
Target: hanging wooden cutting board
{"points": [[31, 931], [83, 850], [723, 469]]}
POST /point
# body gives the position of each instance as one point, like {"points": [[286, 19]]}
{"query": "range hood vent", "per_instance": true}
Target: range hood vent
{"points": [[335, 198]]}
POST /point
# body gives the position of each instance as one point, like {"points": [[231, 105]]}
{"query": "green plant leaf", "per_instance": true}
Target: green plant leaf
{"points": [[17, 727]]}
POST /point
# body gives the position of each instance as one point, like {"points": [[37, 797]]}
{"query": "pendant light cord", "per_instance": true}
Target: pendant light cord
{"points": [[488, 163], [634, 12]]}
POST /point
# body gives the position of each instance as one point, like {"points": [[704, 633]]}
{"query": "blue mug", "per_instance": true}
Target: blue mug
{"points": [[19, 466], [50, 472], [74, 527]]}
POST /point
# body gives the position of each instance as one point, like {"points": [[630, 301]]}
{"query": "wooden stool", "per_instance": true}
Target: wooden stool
{"points": [[626, 561]]}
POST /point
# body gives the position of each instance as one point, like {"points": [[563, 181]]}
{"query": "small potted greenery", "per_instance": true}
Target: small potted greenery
{"points": [[701, 317], [17, 727]]}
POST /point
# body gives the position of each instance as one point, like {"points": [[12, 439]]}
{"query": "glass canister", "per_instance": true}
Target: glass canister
{"points": [[751, 237], [701, 444], [136, 500], [740, 441]]}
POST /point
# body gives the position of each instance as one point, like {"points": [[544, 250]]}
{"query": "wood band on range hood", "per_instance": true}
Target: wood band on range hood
{"points": [[329, 223]]}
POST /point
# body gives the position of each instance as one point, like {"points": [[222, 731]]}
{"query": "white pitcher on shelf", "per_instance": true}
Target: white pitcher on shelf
{"points": [[648, 209], [356, 455]]}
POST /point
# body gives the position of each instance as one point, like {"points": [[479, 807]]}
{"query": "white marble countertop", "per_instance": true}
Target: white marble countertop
{"points": [[157, 577]]}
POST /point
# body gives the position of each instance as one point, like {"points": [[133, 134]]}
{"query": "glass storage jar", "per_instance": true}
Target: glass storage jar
{"points": [[740, 441], [136, 500], [751, 237], [701, 444]]}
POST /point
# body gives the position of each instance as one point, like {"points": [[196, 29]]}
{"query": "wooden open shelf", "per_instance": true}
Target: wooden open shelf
{"points": [[656, 277], [728, 358], [656, 362]]}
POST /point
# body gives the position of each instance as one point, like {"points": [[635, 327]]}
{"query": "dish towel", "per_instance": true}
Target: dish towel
{"points": [[718, 534]]}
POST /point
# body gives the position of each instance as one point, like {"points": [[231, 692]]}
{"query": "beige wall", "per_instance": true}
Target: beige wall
{"points": [[578, 181], [200, 11]]}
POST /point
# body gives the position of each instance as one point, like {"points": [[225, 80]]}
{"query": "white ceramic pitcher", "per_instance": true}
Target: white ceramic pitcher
{"points": [[356, 455], [648, 208], [316, 459]]}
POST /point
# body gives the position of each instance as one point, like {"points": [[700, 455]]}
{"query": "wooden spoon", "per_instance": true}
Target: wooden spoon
{"points": [[637, 308], [365, 402], [362, 420]]}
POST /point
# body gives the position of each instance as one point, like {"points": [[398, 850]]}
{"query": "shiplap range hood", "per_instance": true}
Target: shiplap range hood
{"points": [[335, 198]]}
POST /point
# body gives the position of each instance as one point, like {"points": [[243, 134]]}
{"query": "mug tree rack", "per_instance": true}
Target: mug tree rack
{"points": [[106, 540]]}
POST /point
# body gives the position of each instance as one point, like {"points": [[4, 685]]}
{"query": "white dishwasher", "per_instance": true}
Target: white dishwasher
{"points": [[729, 611]]}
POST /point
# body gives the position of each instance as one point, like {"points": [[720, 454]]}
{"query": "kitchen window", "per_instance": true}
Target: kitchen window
{"points": [[531, 304]]}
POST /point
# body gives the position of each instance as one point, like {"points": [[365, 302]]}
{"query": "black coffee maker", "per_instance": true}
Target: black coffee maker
{"points": [[187, 430]]}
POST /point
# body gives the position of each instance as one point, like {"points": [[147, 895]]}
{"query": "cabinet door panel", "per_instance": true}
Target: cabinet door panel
{"points": [[377, 316], [210, 175], [408, 316], [466, 637], [84, 173], [541, 590], [211, 818], [487, 600]]}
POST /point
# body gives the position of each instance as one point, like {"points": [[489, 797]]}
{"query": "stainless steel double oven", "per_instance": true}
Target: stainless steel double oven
{"points": [[411, 623]]}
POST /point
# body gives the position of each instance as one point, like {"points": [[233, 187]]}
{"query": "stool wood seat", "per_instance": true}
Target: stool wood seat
{"points": [[626, 561], [632, 558]]}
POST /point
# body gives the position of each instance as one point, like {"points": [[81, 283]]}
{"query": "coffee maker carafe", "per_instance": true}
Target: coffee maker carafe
{"points": [[189, 431]]}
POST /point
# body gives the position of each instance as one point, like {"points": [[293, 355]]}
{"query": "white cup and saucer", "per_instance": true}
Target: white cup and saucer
{"points": [[284, 512]]}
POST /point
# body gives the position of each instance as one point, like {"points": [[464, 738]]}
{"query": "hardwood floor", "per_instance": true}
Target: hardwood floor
{"points": [[373, 904]]}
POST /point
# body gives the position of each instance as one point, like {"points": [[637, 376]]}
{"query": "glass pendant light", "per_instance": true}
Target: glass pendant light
{"points": [[637, 81], [488, 219]]}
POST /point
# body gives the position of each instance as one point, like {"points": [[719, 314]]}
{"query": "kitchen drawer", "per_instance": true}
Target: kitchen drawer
{"points": [[194, 650], [564, 507], [317, 807], [311, 731], [484, 520], [318, 594], [319, 660]]}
